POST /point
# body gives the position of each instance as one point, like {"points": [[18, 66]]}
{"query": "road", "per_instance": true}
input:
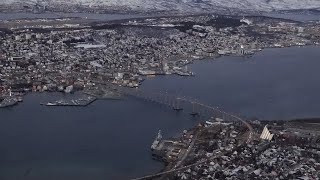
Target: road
{"points": [[177, 168], [159, 98], [183, 158]]}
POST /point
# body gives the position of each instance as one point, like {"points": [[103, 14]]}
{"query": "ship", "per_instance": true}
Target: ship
{"points": [[57, 103], [20, 99], [51, 104], [156, 141], [8, 101]]}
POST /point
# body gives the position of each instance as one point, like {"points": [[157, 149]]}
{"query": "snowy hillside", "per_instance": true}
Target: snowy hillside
{"points": [[184, 5]]}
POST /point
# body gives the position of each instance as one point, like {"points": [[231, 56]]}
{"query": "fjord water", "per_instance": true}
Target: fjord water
{"points": [[106, 140], [51, 15], [111, 139], [302, 16], [274, 84]]}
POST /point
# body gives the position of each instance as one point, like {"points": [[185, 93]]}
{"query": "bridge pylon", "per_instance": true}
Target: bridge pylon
{"points": [[177, 105], [194, 112]]}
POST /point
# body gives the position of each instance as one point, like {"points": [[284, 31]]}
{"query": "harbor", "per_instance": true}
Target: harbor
{"points": [[78, 135], [81, 99], [72, 102]]}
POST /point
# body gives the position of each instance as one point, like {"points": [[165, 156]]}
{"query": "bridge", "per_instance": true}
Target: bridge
{"points": [[178, 104], [194, 107], [197, 109]]}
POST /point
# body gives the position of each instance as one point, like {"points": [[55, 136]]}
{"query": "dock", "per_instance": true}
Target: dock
{"points": [[82, 102]]}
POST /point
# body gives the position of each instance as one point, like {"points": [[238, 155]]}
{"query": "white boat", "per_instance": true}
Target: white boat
{"points": [[51, 104]]}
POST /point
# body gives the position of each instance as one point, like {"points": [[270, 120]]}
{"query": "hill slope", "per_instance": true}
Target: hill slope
{"points": [[184, 5]]}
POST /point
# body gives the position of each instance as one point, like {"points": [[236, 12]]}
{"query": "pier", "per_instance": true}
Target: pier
{"points": [[81, 102]]}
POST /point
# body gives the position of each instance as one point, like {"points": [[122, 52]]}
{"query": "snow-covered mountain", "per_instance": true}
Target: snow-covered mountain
{"points": [[183, 5]]}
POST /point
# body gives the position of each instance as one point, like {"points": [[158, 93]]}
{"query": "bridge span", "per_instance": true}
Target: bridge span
{"points": [[196, 109]]}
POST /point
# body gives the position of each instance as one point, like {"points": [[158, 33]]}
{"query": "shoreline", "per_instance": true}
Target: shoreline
{"points": [[191, 62], [196, 61]]}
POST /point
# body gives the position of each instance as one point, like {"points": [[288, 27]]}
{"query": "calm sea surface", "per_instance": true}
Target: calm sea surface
{"points": [[106, 140], [111, 139], [303, 16], [273, 84], [51, 15]]}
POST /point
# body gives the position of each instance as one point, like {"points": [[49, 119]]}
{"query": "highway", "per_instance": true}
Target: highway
{"points": [[180, 162]]}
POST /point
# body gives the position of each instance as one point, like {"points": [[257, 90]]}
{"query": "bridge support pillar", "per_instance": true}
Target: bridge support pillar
{"points": [[176, 104], [194, 112]]}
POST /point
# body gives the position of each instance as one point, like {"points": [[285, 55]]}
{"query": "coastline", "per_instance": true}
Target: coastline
{"points": [[191, 61], [88, 115]]}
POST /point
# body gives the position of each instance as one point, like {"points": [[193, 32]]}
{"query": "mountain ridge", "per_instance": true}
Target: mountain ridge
{"points": [[179, 5]]}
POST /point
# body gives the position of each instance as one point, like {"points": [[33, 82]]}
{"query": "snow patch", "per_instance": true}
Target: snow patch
{"points": [[183, 5]]}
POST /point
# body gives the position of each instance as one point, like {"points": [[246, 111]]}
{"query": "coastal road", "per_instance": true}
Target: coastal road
{"points": [[177, 168], [226, 116], [186, 154]]}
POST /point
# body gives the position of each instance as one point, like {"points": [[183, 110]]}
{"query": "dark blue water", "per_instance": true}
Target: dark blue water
{"points": [[50, 15], [273, 84], [303, 16], [106, 140], [14, 16], [111, 139]]}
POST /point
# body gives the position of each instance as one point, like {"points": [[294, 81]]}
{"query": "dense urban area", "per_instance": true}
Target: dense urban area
{"points": [[227, 146], [35, 56], [225, 150], [101, 59]]}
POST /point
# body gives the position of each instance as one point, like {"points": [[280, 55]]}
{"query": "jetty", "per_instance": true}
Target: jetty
{"points": [[73, 102]]}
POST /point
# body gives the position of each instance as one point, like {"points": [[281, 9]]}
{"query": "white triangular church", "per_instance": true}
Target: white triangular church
{"points": [[266, 135]]}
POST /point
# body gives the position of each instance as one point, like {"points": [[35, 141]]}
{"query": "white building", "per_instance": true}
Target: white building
{"points": [[266, 135], [28, 36]]}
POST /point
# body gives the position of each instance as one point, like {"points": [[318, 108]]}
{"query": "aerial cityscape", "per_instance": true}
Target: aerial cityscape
{"points": [[228, 90]]}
